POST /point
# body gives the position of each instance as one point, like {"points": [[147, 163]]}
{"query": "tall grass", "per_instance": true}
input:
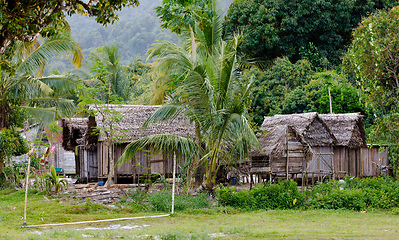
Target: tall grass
{"points": [[162, 201]]}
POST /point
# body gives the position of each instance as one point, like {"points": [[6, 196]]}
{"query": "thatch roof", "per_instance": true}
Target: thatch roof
{"points": [[74, 131], [348, 129], [132, 119], [309, 128]]}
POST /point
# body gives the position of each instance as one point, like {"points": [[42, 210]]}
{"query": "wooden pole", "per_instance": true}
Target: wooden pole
{"points": [[329, 96], [288, 158], [174, 183], [250, 181], [26, 190], [96, 221]]}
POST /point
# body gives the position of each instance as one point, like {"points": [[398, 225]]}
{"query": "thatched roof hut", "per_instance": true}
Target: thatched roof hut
{"points": [[132, 118], [309, 128], [347, 128], [74, 131]]}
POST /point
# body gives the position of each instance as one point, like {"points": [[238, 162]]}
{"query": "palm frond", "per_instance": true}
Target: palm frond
{"points": [[46, 115], [65, 107], [166, 113], [61, 83], [161, 143], [51, 48]]}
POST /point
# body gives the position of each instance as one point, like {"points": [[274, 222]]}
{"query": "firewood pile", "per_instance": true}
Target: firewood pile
{"points": [[94, 193]]}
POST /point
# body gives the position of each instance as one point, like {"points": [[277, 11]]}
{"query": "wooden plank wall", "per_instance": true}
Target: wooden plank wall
{"points": [[82, 161], [373, 159], [360, 162], [93, 163], [142, 163], [340, 161], [88, 163], [296, 156], [320, 165], [102, 155]]}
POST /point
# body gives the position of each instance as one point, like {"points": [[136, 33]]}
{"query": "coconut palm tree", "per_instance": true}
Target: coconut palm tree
{"points": [[23, 87], [210, 92], [22, 84], [109, 72]]}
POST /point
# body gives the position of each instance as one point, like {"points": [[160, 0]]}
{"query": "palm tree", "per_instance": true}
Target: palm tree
{"points": [[211, 93], [22, 84], [23, 87], [110, 72]]}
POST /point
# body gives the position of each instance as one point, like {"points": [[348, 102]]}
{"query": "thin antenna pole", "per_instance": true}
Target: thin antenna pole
{"points": [[329, 96]]}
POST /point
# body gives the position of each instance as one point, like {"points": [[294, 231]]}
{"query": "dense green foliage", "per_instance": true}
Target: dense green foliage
{"points": [[287, 88], [297, 28], [11, 144], [284, 195], [374, 60], [352, 194], [23, 20], [109, 72], [23, 86], [134, 33]]}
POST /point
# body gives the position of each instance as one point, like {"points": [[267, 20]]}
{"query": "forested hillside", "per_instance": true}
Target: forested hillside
{"points": [[135, 31]]}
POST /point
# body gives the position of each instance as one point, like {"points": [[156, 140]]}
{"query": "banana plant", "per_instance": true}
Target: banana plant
{"points": [[53, 181]]}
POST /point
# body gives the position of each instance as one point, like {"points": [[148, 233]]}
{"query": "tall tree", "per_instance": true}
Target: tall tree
{"points": [[108, 70], [374, 60], [24, 20], [210, 92], [293, 28]]}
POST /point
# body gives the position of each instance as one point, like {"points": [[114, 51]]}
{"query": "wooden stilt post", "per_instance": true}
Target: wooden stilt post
{"points": [[250, 181], [312, 179], [288, 158]]}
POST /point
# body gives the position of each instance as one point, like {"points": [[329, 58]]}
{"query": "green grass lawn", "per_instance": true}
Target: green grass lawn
{"points": [[215, 223]]}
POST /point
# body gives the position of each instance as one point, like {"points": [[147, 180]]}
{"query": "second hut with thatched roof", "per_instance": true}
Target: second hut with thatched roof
{"points": [[352, 156], [295, 144]]}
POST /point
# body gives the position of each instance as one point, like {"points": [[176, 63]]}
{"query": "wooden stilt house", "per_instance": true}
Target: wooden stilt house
{"points": [[129, 129], [294, 145]]}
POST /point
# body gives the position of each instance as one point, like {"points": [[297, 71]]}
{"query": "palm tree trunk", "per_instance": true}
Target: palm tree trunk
{"points": [[4, 117]]}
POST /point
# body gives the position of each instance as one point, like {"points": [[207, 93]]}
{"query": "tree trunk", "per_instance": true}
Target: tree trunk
{"points": [[111, 162], [2, 163], [4, 117]]}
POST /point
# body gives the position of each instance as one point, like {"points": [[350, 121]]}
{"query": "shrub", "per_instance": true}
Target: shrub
{"points": [[340, 199], [356, 194], [351, 193], [284, 195]]}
